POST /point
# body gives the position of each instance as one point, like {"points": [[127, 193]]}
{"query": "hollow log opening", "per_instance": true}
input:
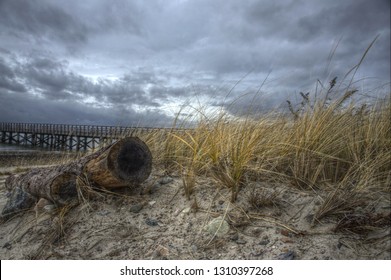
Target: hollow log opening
{"points": [[133, 160]]}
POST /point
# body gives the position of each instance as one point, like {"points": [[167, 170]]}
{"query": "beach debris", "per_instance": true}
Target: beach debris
{"points": [[126, 162], [49, 208], [217, 227], [166, 180], [103, 212], [290, 255], [136, 208], [152, 222], [265, 240]]}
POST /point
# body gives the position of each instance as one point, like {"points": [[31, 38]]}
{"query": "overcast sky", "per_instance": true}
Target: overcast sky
{"points": [[137, 62]]}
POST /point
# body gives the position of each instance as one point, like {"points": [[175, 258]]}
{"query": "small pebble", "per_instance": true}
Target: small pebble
{"points": [[290, 255], [103, 212], [234, 236], [265, 240], [166, 180], [49, 207], [218, 227], [42, 203], [286, 232], [136, 208], [7, 245], [339, 245], [287, 240], [154, 188], [257, 253], [309, 218], [257, 231], [152, 222]]}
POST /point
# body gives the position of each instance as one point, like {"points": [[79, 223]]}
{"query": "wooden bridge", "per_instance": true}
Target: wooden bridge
{"points": [[64, 136]]}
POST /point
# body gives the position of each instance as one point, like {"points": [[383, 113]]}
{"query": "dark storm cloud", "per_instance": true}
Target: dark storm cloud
{"points": [[142, 57], [38, 20], [17, 108], [55, 95], [164, 92], [53, 85], [296, 34], [54, 80], [305, 21], [8, 79], [46, 75]]}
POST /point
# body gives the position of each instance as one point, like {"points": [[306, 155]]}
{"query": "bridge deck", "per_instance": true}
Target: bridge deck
{"points": [[65, 136], [76, 130]]}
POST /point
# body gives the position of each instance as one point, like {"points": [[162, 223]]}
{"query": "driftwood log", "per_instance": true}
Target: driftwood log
{"points": [[126, 162]]}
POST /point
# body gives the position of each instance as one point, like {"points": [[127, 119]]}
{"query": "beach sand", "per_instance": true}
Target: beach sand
{"points": [[157, 221]]}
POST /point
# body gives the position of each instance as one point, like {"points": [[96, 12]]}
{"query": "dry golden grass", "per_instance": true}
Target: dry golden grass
{"points": [[329, 142], [336, 148], [332, 145]]}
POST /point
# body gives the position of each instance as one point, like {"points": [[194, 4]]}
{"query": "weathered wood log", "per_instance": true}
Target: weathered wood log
{"points": [[126, 162]]}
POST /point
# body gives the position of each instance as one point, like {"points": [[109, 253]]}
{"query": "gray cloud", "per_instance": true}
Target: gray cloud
{"points": [[91, 58], [40, 20], [21, 108], [8, 79]]}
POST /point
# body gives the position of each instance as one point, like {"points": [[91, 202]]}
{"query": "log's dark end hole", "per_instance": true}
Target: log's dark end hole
{"points": [[68, 191], [132, 159]]}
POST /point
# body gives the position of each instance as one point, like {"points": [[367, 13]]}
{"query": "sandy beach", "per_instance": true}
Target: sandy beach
{"points": [[157, 221]]}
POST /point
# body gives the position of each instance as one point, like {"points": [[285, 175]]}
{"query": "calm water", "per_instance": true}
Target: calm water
{"points": [[16, 148], [6, 148]]}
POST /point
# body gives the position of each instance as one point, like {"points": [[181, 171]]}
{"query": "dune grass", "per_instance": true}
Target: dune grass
{"points": [[330, 142], [332, 146], [345, 146]]}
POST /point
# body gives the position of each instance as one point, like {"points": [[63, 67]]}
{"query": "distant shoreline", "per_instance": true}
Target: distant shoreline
{"points": [[14, 158]]}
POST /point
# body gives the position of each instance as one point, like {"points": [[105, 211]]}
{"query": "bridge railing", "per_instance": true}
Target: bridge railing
{"points": [[68, 129]]}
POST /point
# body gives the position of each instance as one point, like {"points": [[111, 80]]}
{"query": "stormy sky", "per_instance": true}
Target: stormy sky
{"points": [[138, 62]]}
